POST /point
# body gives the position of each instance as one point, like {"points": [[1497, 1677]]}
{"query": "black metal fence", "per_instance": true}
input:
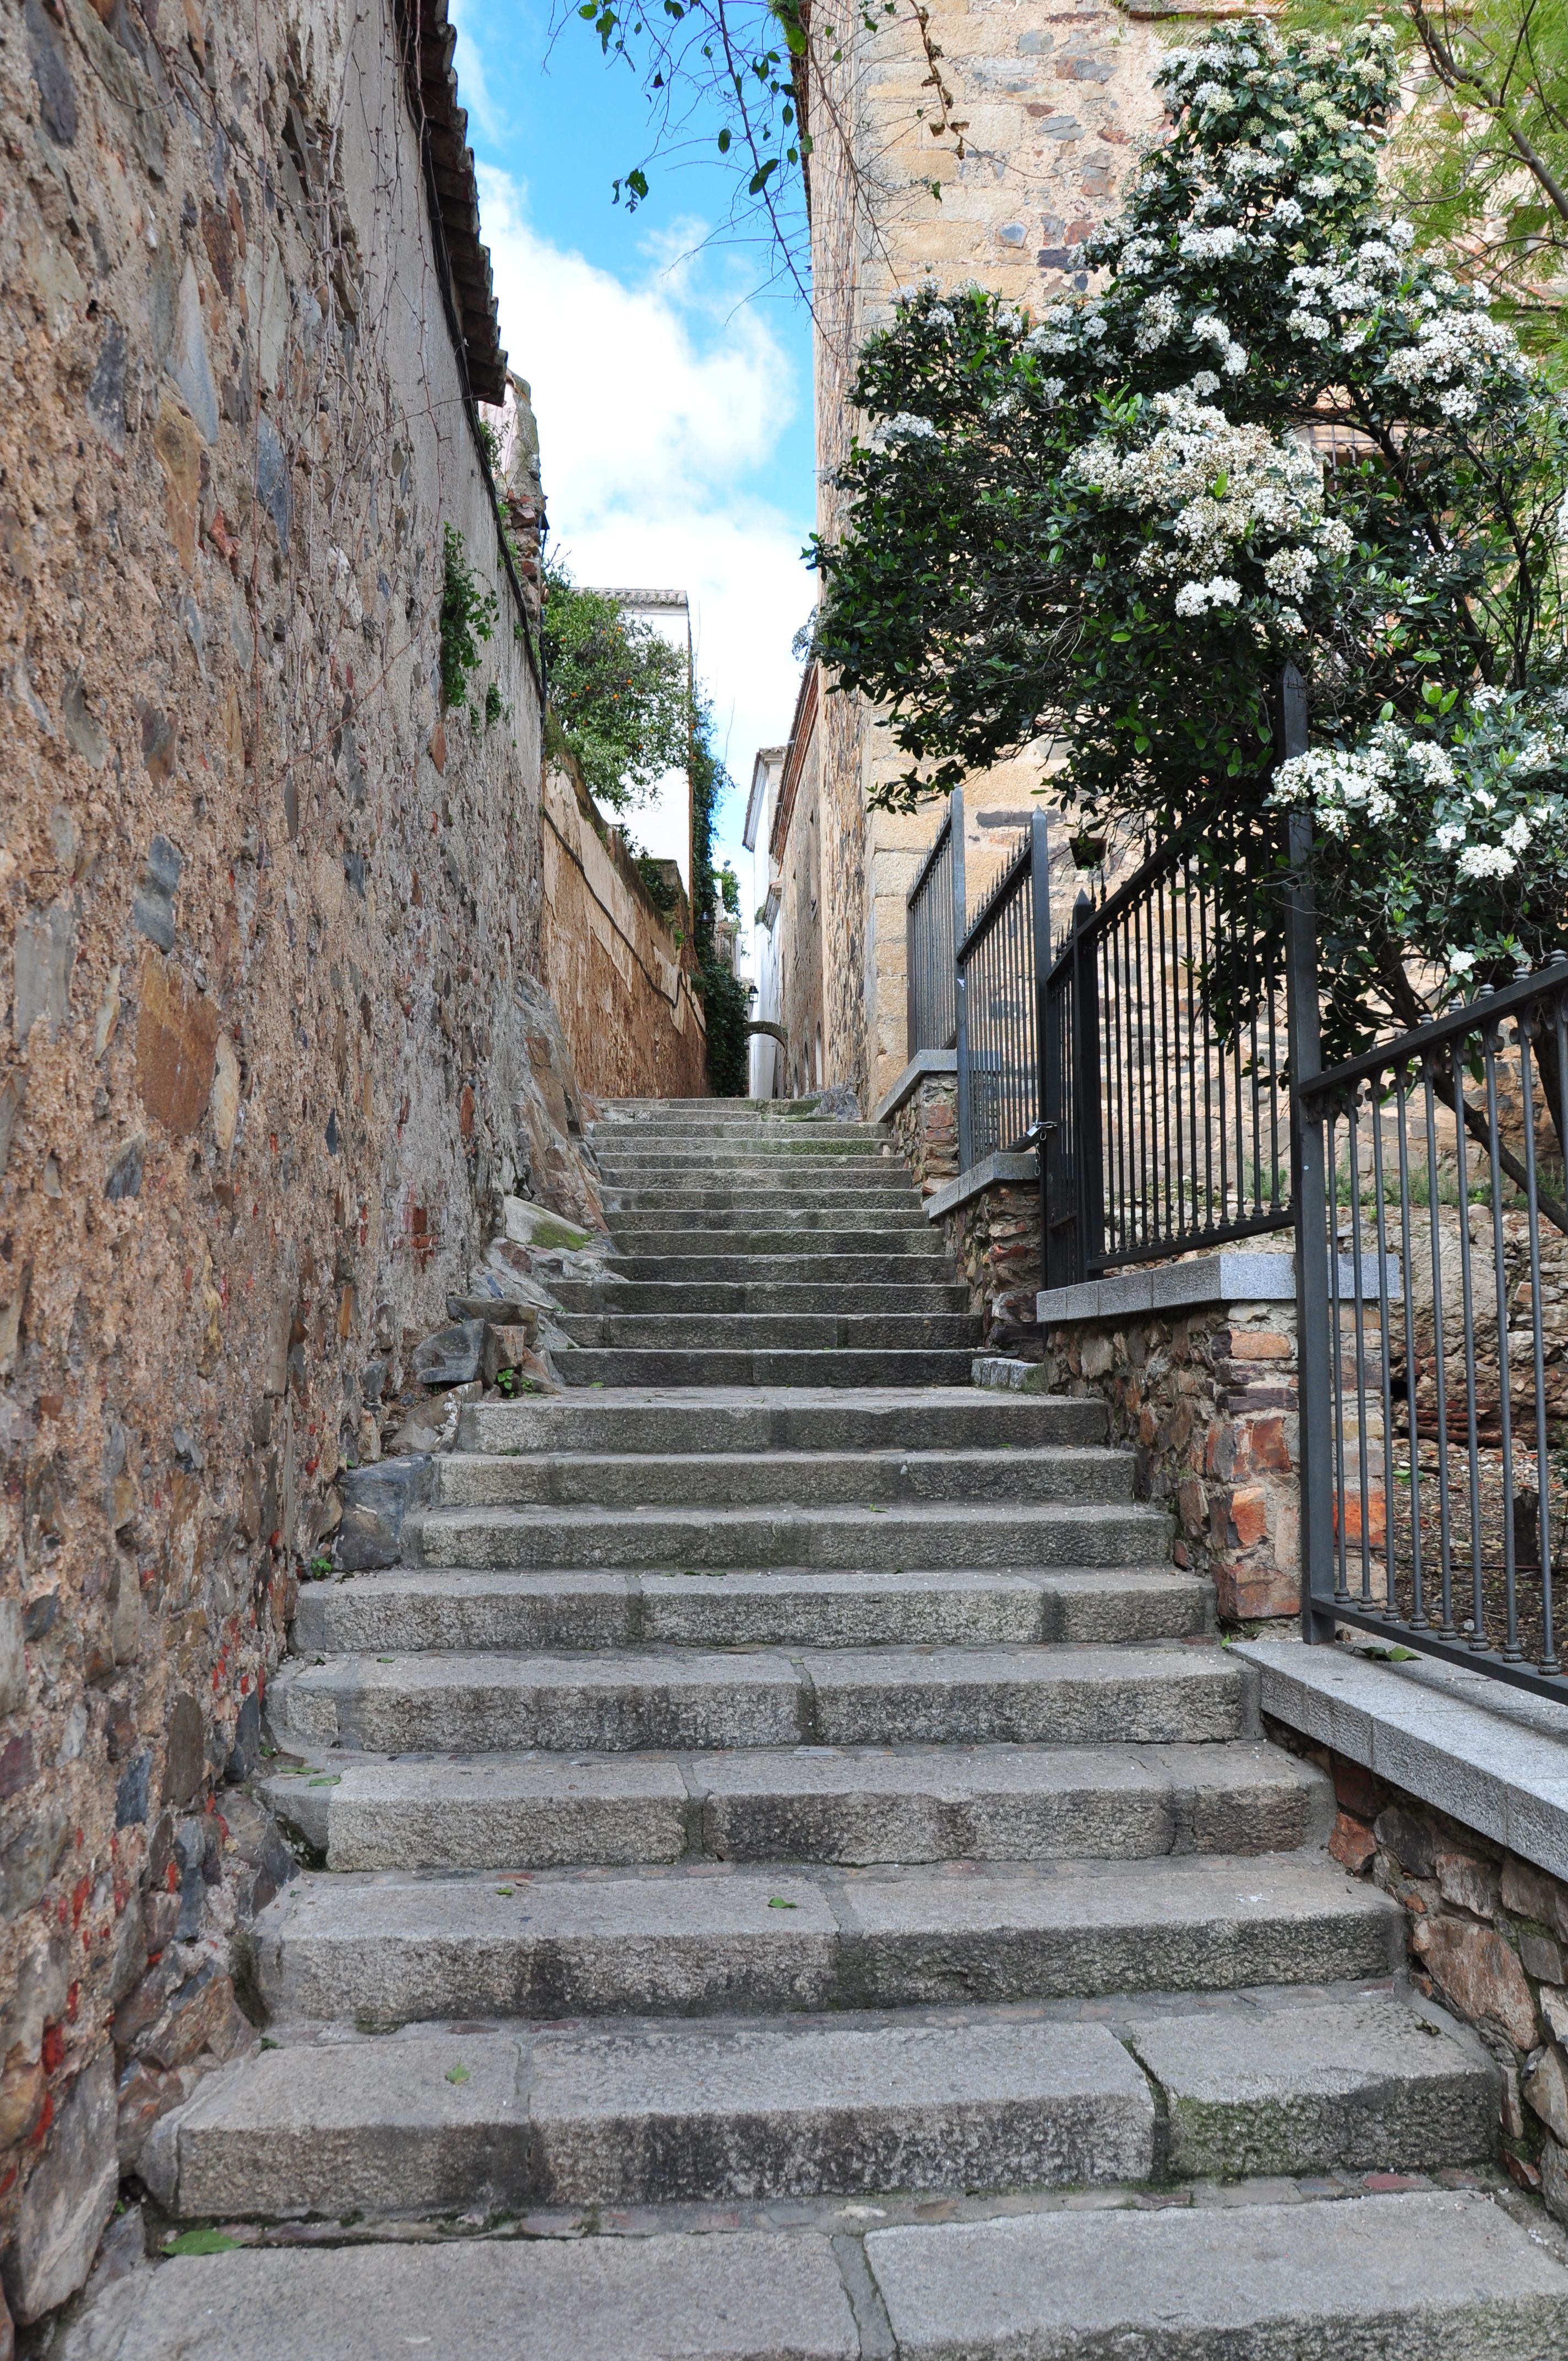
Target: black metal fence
{"points": [[1431, 1263], [1000, 964], [1164, 1117], [934, 927]]}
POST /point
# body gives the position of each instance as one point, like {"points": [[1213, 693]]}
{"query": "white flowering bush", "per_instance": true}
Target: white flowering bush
{"points": [[1264, 426]]}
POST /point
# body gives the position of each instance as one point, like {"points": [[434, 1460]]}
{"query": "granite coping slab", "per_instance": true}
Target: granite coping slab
{"points": [[1492, 1757], [921, 1067], [997, 1171], [1263, 1275]]}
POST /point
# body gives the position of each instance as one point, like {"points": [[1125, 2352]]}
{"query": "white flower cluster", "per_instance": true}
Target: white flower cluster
{"points": [[1216, 245], [1218, 486], [1453, 352], [1395, 778], [905, 428], [1196, 597]]}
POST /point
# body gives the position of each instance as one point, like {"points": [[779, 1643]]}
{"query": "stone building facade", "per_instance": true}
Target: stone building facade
{"points": [[1052, 104], [273, 916]]}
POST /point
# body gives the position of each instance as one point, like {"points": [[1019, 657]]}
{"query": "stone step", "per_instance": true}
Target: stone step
{"points": [[655, 2114], [629, 1295], [660, 2113], [618, 1700], [822, 1478], [701, 1941], [410, 1610], [861, 1197], [799, 1267], [817, 1145], [1371, 2279], [775, 1331], [936, 1535], [758, 1175], [683, 1132], [611, 1365], [797, 1219], [1396, 2278], [850, 1806], [728, 1419]]}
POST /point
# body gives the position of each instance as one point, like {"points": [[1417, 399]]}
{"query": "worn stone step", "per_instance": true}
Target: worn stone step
{"points": [[745, 2297], [937, 1535], [611, 1365], [828, 1228], [1369, 2085], [615, 1700], [744, 1420], [799, 1267], [409, 1609], [624, 1295], [737, 1149], [816, 1478], [1397, 2277], [775, 1331], [760, 1177], [852, 1805], [1391, 2277], [700, 1941], [656, 2114]]}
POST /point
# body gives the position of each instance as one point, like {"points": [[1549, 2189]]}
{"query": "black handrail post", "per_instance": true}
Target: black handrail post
{"points": [[1087, 1159], [1045, 1062], [960, 1014], [1308, 1188]]}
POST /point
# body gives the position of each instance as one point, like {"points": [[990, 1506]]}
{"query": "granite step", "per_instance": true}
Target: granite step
{"points": [[934, 1535], [1394, 2278], [801, 1266], [817, 1145], [855, 1807], [793, 1296], [645, 2113], [415, 1609], [746, 1420], [732, 1419], [817, 1478], [611, 1365], [807, 1227], [618, 1700], [775, 1331], [655, 2114], [698, 1942]]}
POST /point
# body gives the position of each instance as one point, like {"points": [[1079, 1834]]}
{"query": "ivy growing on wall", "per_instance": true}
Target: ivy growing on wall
{"points": [[468, 617]]}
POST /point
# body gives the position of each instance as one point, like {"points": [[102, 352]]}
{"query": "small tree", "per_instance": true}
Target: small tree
{"points": [[1274, 431], [620, 694]]}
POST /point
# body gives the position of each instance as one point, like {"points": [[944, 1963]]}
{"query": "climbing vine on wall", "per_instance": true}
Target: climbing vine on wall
{"points": [[468, 617]]}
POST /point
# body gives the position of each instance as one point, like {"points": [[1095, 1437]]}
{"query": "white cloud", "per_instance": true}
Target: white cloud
{"points": [[659, 408]]}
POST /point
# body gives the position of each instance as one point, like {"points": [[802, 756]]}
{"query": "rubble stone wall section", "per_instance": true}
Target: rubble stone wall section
{"points": [[1488, 1937], [994, 1239], [271, 1052], [619, 978], [1208, 1401]]}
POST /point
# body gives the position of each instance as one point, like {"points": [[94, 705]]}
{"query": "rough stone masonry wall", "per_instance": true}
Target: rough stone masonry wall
{"points": [[266, 914], [619, 978], [994, 1239], [1488, 1935], [1208, 1401]]}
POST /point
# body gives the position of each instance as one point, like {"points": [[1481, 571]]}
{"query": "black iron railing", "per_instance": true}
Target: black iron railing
{"points": [[933, 928], [1432, 1256], [1164, 1117], [1001, 963]]}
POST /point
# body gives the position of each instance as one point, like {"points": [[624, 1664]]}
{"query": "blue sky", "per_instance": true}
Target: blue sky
{"points": [[674, 400]]}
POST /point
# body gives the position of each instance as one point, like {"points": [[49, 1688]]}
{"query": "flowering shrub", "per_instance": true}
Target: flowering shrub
{"points": [[1265, 427]]}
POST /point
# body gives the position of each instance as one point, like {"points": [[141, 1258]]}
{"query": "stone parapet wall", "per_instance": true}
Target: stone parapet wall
{"points": [[994, 1236], [1488, 1937], [1207, 1399], [620, 981], [926, 1128]]}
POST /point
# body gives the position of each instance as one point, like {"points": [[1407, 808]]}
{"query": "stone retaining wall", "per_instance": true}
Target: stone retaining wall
{"points": [[270, 1048], [1207, 1399], [1488, 1937], [994, 1237], [616, 972]]}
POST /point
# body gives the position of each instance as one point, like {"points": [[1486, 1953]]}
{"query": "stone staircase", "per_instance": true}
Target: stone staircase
{"points": [[802, 1880]]}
